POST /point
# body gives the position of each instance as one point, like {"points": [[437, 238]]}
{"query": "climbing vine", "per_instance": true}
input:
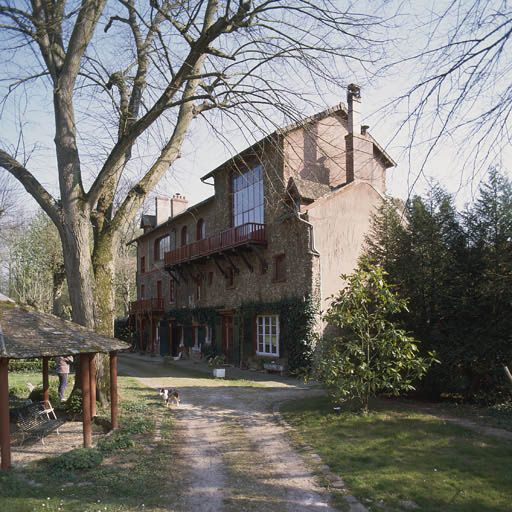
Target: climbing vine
{"points": [[297, 327]]}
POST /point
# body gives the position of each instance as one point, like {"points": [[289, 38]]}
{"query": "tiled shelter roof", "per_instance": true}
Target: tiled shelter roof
{"points": [[26, 333]]}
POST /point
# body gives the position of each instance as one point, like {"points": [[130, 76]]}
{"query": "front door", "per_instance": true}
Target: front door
{"points": [[227, 337], [175, 339]]}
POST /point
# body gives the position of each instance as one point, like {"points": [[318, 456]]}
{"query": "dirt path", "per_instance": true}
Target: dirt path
{"points": [[237, 456]]}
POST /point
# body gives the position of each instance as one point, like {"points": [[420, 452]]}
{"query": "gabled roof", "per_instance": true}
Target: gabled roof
{"points": [[26, 333], [341, 108], [169, 221], [307, 189]]}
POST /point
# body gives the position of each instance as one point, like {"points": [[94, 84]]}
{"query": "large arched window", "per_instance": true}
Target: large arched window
{"points": [[162, 245], [184, 236], [200, 229]]}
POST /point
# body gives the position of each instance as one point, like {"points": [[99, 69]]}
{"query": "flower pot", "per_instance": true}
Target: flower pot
{"points": [[219, 373]]}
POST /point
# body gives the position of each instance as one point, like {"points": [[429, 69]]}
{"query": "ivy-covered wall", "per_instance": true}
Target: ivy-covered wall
{"points": [[296, 320], [297, 325]]}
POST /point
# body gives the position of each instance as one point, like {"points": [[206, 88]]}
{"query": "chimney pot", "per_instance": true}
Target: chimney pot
{"points": [[353, 104]]}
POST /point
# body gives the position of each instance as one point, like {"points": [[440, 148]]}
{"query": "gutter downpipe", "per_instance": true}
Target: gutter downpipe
{"points": [[311, 235]]}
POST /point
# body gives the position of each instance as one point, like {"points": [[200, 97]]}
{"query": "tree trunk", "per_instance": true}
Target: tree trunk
{"points": [[59, 278], [103, 261], [77, 261]]}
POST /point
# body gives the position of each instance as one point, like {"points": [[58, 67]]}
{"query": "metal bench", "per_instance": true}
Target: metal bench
{"points": [[36, 420]]}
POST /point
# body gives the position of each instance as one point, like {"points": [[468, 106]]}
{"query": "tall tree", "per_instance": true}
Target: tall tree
{"points": [[489, 229], [35, 266], [126, 79], [138, 73]]}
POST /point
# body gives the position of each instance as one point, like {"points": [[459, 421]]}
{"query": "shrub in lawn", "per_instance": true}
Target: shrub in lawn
{"points": [[78, 459], [74, 402], [20, 392], [119, 440], [29, 365], [36, 395], [138, 425], [371, 354]]}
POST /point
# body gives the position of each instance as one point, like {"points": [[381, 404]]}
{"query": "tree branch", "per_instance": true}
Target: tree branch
{"points": [[45, 200]]}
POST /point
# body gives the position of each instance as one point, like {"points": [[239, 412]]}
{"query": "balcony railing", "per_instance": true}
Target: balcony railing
{"points": [[250, 233], [147, 306]]}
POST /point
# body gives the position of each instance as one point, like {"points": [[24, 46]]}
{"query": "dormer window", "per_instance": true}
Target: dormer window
{"points": [[248, 196]]}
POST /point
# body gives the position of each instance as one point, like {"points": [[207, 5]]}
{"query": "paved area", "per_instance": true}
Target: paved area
{"points": [[238, 457]]}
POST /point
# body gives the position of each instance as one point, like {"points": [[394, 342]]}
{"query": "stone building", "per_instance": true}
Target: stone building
{"points": [[244, 272]]}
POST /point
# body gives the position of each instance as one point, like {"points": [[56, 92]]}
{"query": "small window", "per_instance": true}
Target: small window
{"points": [[198, 289], [279, 268], [142, 291], [210, 278], [267, 335], [143, 264], [159, 289], [172, 291], [200, 230], [184, 236]]}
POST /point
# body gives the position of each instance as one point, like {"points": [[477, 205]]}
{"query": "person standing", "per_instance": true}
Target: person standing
{"points": [[62, 367]]}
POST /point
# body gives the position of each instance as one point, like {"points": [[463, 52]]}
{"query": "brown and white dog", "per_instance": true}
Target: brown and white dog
{"points": [[169, 395]]}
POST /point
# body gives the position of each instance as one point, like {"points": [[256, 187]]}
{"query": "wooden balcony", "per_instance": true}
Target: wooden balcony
{"points": [[147, 306], [246, 234]]}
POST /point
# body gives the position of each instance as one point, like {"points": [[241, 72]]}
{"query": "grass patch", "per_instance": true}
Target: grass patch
{"points": [[394, 456], [124, 473]]}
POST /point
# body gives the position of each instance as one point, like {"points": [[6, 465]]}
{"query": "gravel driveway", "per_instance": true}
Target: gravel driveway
{"points": [[234, 455]]}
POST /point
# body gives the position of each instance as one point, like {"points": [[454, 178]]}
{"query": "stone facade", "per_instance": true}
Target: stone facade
{"points": [[221, 283]]}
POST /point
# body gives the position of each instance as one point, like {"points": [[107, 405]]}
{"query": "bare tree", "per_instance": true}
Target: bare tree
{"points": [[461, 89], [7, 197]]}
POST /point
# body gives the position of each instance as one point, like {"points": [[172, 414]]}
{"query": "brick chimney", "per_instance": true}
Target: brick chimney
{"points": [[361, 162], [354, 108], [179, 204], [162, 209]]}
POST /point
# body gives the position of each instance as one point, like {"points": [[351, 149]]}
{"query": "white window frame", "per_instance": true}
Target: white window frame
{"points": [[267, 323]]}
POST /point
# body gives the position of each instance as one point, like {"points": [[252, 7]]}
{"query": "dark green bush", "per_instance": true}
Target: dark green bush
{"points": [[119, 440], [20, 392], [74, 402], [36, 395], [29, 365], [78, 459]]}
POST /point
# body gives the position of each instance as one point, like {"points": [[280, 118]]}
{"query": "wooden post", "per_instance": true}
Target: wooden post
{"points": [[46, 384], [113, 390], [86, 399], [5, 435], [92, 383]]}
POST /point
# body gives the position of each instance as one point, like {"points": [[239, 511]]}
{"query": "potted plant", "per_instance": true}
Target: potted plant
{"points": [[216, 362]]}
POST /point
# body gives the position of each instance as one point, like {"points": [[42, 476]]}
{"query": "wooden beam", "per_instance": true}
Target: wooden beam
{"points": [[246, 261], [5, 434], [86, 399], [182, 274], [92, 383], [259, 254], [222, 271], [46, 384], [236, 270], [113, 390], [174, 277]]}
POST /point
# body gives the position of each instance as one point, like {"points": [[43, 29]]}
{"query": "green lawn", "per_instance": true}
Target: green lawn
{"points": [[394, 456], [125, 474]]}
